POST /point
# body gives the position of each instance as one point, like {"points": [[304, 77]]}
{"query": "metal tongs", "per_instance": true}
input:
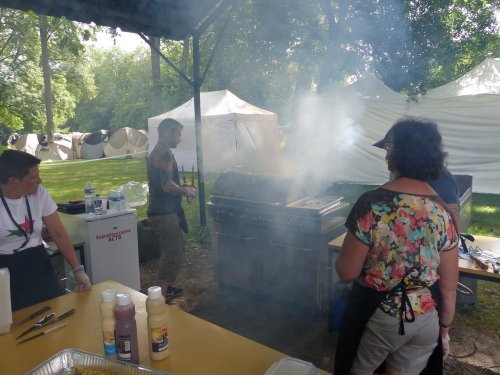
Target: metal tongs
{"points": [[184, 180]]}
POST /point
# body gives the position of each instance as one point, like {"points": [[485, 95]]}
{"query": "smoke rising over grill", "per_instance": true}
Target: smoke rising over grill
{"points": [[325, 135]]}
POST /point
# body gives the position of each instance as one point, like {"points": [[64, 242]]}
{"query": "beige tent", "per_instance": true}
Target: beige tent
{"points": [[127, 142], [60, 148], [27, 143], [77, 143]]}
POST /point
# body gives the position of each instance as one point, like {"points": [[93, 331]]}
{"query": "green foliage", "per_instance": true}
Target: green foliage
{"points": [[483, 317], [271, 53], [21, 99], [122, 82]]}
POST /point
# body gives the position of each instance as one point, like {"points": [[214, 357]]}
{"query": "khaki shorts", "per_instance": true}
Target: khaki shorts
{"points": [[407, 353], [171, 246]]}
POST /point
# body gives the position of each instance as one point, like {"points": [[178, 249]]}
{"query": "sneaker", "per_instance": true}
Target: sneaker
{"points": [[173, 292]]}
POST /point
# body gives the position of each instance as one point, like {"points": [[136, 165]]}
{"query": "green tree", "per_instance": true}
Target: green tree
{"points": [[18, 52], [273, 51], [62, 47], [22, 101], [124, 98]]}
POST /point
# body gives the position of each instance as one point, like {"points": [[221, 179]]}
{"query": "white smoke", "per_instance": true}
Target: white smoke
{"points": [[325, 134]]}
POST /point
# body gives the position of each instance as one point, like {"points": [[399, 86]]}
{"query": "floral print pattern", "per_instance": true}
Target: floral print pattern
{"points": [[404, 233]]}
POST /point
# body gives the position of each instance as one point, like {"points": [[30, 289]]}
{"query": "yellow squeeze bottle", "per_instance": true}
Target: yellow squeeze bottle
{"points": [[157, 324]]}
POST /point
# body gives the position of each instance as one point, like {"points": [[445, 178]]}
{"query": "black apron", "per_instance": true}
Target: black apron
{"points": [[32, 277]]}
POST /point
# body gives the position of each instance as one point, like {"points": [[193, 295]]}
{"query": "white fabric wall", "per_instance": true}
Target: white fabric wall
{"points": [[467, 112], [470, 126]]}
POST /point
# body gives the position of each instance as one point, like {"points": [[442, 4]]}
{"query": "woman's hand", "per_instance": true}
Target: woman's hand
{"points": [[445, 340]]}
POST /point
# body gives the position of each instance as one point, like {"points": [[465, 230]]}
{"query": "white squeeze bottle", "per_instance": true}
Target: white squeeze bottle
{"points": [[5, 304], [108, 301], [157, 324]]}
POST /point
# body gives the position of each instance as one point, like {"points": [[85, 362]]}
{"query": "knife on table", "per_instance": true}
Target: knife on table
{"points": [[59, 318], [46, 321], [33, 316], [479, 262], [57, 326], [37, 325]]}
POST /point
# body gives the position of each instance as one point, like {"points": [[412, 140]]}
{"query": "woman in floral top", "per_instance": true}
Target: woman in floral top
{"points": [[401, 239]]}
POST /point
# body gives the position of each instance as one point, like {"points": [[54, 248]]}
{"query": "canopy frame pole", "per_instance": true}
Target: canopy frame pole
{"points": [[196, 85], [197, 126]]}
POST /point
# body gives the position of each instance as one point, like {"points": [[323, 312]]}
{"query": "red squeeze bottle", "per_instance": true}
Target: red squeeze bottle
{"points": [[126, 329]]}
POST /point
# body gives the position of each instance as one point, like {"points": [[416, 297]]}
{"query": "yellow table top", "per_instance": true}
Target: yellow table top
{"points": [[466, 268], [196, 346]]}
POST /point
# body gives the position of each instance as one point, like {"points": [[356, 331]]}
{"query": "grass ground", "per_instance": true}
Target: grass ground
{"points": [[66, 181]]}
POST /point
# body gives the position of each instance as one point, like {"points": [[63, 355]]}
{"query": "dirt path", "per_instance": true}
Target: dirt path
{"points": [[298, 333]]}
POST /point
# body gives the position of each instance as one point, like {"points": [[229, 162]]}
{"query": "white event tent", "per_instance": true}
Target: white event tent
{"points": [[233, 132], [467, 112]]}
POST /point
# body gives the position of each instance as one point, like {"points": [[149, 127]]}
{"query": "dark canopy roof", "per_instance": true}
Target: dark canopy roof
{"points": [[174, 19]]}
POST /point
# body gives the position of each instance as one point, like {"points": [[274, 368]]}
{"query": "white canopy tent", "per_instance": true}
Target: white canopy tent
{"points": [[468, 114], [348, 121], [233, 131]]}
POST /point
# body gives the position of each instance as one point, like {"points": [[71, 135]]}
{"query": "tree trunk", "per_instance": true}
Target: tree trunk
{"points": [[331, 60], [43, 24], [302, 87], [185, 55], [155, 70]]}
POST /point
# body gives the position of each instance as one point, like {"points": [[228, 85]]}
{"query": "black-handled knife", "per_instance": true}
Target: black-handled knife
{"points": [[59, 318], [47, 321], [39, 324], [33, 316]]}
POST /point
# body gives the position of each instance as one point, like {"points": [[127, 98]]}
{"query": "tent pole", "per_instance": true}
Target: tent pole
{"points": [[197, 124]]}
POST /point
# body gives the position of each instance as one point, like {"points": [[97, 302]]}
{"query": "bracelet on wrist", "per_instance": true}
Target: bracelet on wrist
{"points": [[444, 325]]}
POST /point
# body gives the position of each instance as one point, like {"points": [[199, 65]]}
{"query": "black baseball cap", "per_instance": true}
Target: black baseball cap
{"points": [[384, 141]]}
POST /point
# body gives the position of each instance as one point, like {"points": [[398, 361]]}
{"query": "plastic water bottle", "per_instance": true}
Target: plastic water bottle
{"points": [[123, 201], [114, 201], [126, 329], [98, 205], [89, 192]]}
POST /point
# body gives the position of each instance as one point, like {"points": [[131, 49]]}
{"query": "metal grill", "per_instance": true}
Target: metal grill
{"points": [[271, 238]]}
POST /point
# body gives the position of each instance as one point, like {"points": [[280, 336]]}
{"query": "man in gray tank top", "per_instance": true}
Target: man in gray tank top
{"points": [[165, 213]]}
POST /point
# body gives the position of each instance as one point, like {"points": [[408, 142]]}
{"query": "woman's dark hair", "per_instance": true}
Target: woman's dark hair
{"points": [[417, 149], [14, 163]]}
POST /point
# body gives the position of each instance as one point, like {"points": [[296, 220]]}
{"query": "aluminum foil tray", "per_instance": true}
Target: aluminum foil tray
{"points": [[68, 361]]}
